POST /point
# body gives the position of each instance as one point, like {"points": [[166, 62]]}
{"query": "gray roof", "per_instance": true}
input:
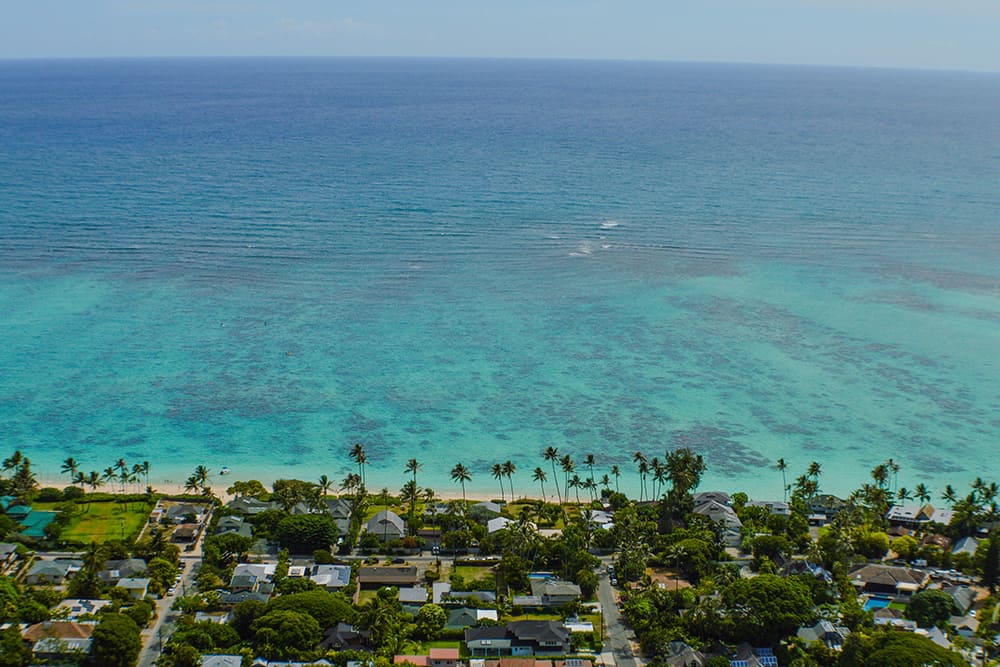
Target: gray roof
{"points": [[963, 597], [966, 545], [377, 523], [417, 594], [221, 660], [554, 587]]}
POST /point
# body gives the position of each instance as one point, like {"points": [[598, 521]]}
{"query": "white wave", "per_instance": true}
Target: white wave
{"points": [[610, 224]]}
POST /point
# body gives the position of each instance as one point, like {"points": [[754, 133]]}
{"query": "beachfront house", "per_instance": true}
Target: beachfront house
{"points": [[912, 517], [723, 515], [250, 506], [386, 526]]}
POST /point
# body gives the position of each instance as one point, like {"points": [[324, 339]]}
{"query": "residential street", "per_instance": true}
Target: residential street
{"points": [[617, 637]]}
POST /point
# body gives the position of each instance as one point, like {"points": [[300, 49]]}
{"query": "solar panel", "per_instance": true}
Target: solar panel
{"points": [[768, 661], [764, 651], [740, 663]]}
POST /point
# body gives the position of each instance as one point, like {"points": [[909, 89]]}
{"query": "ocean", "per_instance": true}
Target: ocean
{"points": [[256, 263]]}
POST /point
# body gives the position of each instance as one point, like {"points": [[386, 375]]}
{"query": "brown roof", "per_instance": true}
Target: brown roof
{"points": [[58, 630], [888, 575], [418, 660], [390, 575], [444, 654]]}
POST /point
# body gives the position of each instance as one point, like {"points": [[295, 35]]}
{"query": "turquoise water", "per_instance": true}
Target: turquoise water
{"points": [[257, 263], [873, 603]]}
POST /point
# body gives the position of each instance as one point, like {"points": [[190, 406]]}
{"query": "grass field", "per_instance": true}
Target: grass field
{"points": [[472, 572], [103, 522]]}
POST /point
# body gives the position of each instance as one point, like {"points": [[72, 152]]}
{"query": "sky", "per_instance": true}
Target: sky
{"points": [[925, 34]]}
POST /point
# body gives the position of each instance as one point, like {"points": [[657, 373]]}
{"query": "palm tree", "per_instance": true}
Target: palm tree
{"points": [[201, 474], [949, 495], [588, 461], [606, 482], [922, 493], [325, 484], [409, 494], [145, 472], [814, 471], [568, 466], [12, 461], [893, 468], [358, 456], [552, 454], [136, 473], [94, 480], [191, 484], [70, 467], [109, 475], [509, 468], [461, 475], [591, 486], [616, 472], [880, 474], [575, 483], [497, 471], [351, 483], [659, 475], [903, 494], [539, 476], [640, 458], [782, 466], [79, 479], [413, 466]]}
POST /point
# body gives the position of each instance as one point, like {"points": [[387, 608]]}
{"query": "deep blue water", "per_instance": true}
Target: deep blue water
{"points": [[255, 263]]}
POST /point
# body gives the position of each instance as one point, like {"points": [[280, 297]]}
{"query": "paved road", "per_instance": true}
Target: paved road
{"points": [[617, 634], [156, 635]]}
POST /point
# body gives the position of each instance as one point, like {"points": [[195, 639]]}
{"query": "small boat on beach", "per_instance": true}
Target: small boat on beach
{"points": [[224, 471]]}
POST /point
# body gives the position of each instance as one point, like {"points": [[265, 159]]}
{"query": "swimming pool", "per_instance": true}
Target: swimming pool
{"points": [[874, 603]]}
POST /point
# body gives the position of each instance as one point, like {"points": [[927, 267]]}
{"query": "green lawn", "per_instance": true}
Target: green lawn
{"points": [[472, 572], [103, 522], [897, 605]]}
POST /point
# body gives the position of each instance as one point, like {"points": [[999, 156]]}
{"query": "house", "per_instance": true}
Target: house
{"points": [[943, 517], [340, 510], [824, 632], [965, 625], [8, 555], [826, 506], [137, 587], [893, 618], [387, 575], [724, 516], [233, 525], [243, 583], [216, 617], [680, 654], [56, 642], [262, 571], [432, 536], [217, 660], [519, 638], [443, 657], [330, 577], [910, 516], [387, 526], [554, 592], [54, 572], [487, 597], [465, 617], [720, 497], [806, 567], [888, 579], [250, 506], [438, 657], [498, 523], [74, 608], [572, 662], [966, 545], [185, 513], [120, 569], [777, 507], [748, 656], [344, 637], [186, 532], [439, 589], [415, 595], [487, 507], [962, 597]]}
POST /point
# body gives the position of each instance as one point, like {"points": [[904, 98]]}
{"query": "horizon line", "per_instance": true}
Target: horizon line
{"points": [[554, 59]]}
